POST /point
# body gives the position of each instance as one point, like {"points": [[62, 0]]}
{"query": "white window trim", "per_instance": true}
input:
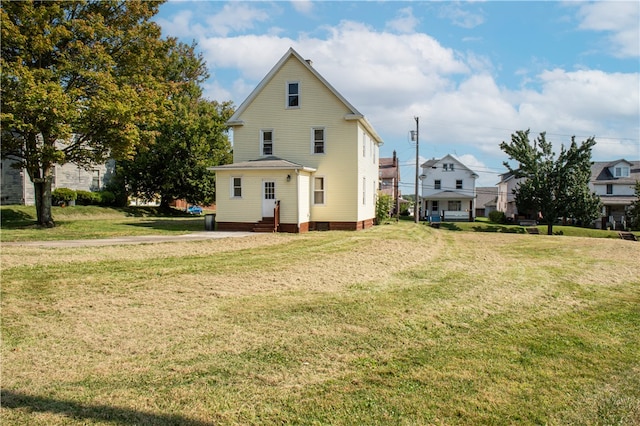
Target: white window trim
{"points": [[324, 191], [262, 154], [232, 193], [313, 140], [364, 190], [621, 171], [287, 94], [375, 193]]}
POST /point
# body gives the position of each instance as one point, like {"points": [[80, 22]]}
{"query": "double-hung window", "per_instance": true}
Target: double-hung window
{"points": [[318, 190], [266, 142], [293, 94], [609, 189], [459, 184], [318, 140], [364, 190], [236, 187], [95, 180], [455, 206], [437, 184]]}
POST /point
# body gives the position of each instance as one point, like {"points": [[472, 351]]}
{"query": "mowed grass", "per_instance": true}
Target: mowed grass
{"points": [[399, 324], [87, 222]]}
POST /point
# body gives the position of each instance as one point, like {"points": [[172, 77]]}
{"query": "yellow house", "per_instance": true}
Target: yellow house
{"points": [[304, 157]]}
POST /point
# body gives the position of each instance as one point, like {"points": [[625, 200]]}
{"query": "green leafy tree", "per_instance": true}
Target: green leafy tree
{"points": [[191, 138], [384, 204], [555, 186], [633, 214], [80, 82]]}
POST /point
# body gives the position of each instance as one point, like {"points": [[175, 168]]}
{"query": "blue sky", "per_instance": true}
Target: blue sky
{"points": [[473, 72]]}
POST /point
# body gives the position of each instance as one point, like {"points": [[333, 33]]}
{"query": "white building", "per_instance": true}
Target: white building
{"points": [[448, 190]]}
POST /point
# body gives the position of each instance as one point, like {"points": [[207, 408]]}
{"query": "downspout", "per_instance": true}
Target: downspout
{"points": [[298, 199]]}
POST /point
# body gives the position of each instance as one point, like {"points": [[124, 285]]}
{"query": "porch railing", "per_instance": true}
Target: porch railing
{"points": [[276, 216]]}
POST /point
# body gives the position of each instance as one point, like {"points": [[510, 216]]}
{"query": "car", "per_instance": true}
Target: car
{"points": [[194, 210]]}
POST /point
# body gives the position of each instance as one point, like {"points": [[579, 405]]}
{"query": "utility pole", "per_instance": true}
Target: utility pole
{"points": [[415, 204]]}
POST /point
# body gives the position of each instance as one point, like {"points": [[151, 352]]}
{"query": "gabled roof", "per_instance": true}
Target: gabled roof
{"points": [[388, 168], [615, 163], [353, 114], [431, 163], [266, 163], [601, 173]]}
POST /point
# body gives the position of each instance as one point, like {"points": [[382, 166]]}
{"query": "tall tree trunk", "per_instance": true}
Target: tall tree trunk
{"points": [[42, 190], [42, 179], [549, 227], [165, 203]]}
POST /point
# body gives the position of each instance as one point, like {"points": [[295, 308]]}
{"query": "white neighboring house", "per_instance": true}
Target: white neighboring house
{"points": [[614, 182], [506, 198], [17, 188], [448, 190]]}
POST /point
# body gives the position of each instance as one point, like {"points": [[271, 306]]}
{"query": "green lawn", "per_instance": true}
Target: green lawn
{"points": [[86, 222], [399, 324]]}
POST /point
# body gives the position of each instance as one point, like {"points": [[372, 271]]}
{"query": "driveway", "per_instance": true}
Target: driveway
{"points": [[141, 239]]}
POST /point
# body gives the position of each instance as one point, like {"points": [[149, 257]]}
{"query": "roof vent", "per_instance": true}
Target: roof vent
{"points": [[310, 62]]}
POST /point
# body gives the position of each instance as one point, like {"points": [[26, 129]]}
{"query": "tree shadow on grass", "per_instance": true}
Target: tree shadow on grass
{"points": [[120, 415], [16, 219], [499, 228], [450, 226]]}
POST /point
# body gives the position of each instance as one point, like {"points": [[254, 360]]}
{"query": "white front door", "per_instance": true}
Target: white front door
{"points": [[268, 198]]}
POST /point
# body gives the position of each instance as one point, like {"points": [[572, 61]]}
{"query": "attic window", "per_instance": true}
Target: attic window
{"points": [[621, 171], [293, 94]]}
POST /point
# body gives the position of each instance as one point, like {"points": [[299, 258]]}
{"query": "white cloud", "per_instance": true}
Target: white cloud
{"points": [[303, 6], [485, 176], [621, 19], [179, 26], [459, 16], [462, 109], [404, 22], [235, 17], [587, 103]]}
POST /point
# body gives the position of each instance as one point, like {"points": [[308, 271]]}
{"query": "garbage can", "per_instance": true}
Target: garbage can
{"points": [[210, 222]]}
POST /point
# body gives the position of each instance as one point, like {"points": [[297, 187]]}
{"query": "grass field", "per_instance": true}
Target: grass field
{"points": [[399, 324], [86, 222]]}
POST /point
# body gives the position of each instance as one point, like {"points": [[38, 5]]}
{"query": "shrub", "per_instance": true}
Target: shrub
{"points": [[106, 198], [87, 198], [384, 203], [497, 217], [63, 196]]}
